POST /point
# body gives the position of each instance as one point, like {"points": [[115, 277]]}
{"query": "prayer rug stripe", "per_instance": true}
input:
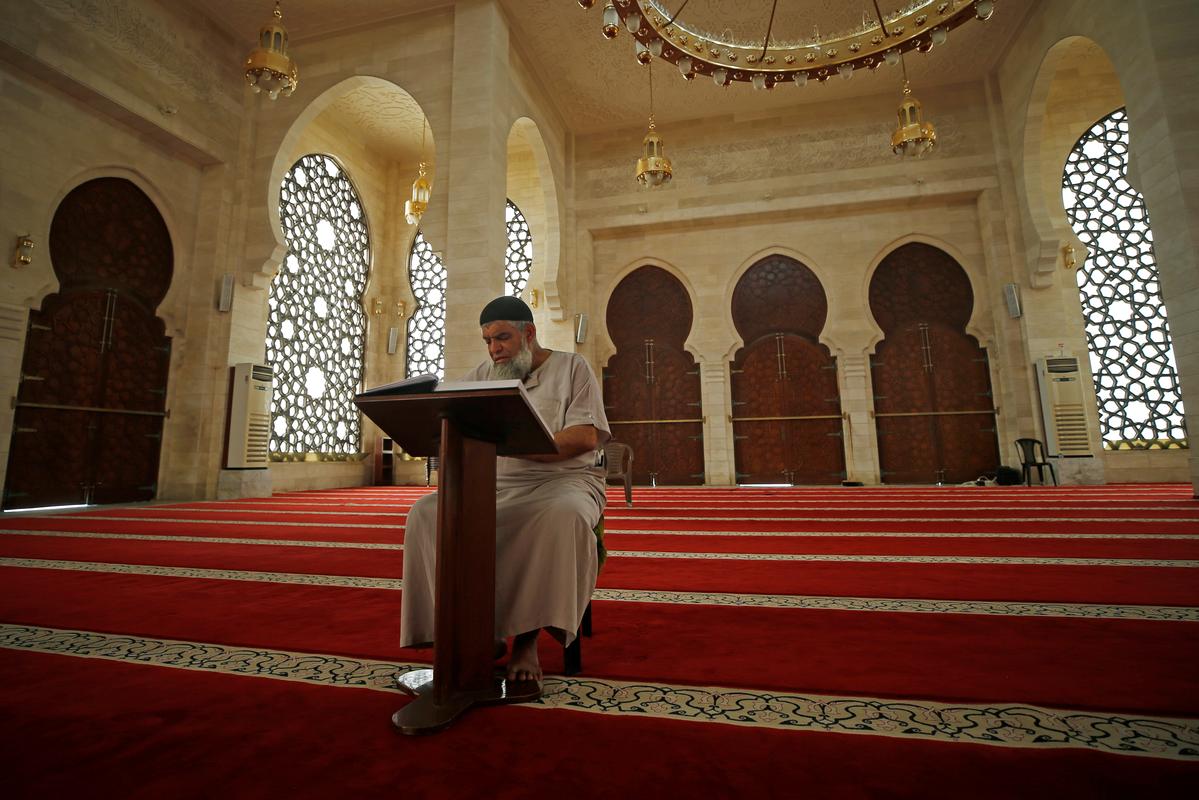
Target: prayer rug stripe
{"points": [[898, 506], [744, 600], [899, 559], [907, 534], [993, 658], [163, 513], [10, 543], [1005, 725], [166, 537], [24, 543]]}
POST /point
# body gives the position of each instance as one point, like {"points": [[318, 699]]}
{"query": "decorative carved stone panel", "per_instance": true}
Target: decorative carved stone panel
{"points": [[651, 384], [786, 403], [934, 410]]}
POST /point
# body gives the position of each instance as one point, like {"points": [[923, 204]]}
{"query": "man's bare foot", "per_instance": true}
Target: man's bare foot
{"points": [[524, 664]]}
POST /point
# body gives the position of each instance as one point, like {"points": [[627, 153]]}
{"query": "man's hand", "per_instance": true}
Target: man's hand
{"points": [[571, 442]]}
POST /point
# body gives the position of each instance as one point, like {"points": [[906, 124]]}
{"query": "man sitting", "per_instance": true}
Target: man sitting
{"points": [[545, 505]]}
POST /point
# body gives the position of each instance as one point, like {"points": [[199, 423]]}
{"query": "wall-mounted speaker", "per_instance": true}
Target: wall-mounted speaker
{"points": [[1011, 293], [580, 328], [225, 300], [393, 340]]}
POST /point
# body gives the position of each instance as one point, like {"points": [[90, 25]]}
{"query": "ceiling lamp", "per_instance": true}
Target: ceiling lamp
{"points": [[677, 38], [421, 187], [653, 168], [913, 137], [268, 67]]}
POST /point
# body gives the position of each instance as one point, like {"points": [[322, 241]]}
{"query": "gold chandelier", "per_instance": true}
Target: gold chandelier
{"points": [[268, 67], [422, 188], [766, 63], [653, 168]]}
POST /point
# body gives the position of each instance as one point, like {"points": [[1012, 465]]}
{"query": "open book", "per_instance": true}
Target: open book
{"points": [[424, 384], [417, 384]]}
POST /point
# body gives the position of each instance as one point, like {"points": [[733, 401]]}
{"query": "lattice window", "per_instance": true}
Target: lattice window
{"points": [[1132, 357], [426, 326], [519, 258], [316, 326]]}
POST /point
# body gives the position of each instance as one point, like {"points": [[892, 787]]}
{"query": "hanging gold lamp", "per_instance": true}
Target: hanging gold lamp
{"points": [[653, 168], [268, 67], [913, 136], [421, 187]]}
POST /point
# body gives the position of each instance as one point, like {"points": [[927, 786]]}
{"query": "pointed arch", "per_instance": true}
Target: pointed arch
{"points": [[975, 326], [1057, 114], [783, 381], [605, 348], [933, 403], [651, 384], [533, 187]]}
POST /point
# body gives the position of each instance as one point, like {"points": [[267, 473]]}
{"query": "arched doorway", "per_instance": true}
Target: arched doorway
{"points": [[934, 411], [88, 423], [651, 384], [786, 405]]}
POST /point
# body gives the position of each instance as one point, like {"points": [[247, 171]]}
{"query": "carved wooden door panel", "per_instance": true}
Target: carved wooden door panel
{"points": [[934, 412], [88, 421], [651, 384], [786, 405]]}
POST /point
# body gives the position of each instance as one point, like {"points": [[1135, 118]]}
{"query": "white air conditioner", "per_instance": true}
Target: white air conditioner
{"points": [[1062, 411], [249, 417]]}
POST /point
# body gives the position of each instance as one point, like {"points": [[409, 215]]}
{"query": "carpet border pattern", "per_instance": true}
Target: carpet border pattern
{"points": [[1004, 725]]}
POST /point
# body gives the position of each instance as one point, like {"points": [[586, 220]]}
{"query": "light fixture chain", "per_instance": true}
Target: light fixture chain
{"points": [[670, 21], [769, 27]]}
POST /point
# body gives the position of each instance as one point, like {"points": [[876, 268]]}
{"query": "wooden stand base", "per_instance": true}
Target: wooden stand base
{"points": [[426, 715]]}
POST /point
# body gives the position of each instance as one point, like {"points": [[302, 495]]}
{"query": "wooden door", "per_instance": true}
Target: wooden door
{"points": [[651, 384], [934, 411], [89, 412], [786, 404]]}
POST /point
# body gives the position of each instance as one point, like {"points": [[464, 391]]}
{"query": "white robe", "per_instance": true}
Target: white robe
{"points": [[546, 562]]}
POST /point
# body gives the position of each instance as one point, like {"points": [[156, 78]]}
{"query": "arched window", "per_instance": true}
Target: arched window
{"points": [[1132, 356], [519, 258], [316, 326], [426, 326], [427, 275]]}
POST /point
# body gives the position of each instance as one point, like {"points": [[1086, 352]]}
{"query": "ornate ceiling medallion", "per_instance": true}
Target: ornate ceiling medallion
{"points": [[918, 25]]}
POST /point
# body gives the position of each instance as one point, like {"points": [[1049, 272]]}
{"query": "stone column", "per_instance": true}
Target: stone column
{"points": [[476, 177], [857, 403], [1161, 84], [715, 399]]}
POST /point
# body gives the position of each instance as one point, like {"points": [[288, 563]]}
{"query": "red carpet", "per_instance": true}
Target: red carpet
{"points": [[1017, 610]]}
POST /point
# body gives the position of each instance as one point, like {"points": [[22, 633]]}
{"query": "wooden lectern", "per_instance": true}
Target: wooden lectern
{"points": [[467, 425]]}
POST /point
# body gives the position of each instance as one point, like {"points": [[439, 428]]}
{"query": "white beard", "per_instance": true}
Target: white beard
{"points": [[518, 368]]}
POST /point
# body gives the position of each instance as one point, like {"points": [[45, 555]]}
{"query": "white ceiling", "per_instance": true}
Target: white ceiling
{"points": [[596, 83]]}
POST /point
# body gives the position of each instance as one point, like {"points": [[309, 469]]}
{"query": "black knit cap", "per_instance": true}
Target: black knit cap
{"points": [[505, 309]]}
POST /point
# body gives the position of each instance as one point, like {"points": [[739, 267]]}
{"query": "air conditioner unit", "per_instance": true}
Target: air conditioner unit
{"points": [[248, 445], [1062, 411]]}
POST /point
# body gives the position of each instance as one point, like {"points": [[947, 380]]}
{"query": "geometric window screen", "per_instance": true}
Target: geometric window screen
{"points": [[425, 353], [518, 260], [316, 324], [1128, 336]]}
